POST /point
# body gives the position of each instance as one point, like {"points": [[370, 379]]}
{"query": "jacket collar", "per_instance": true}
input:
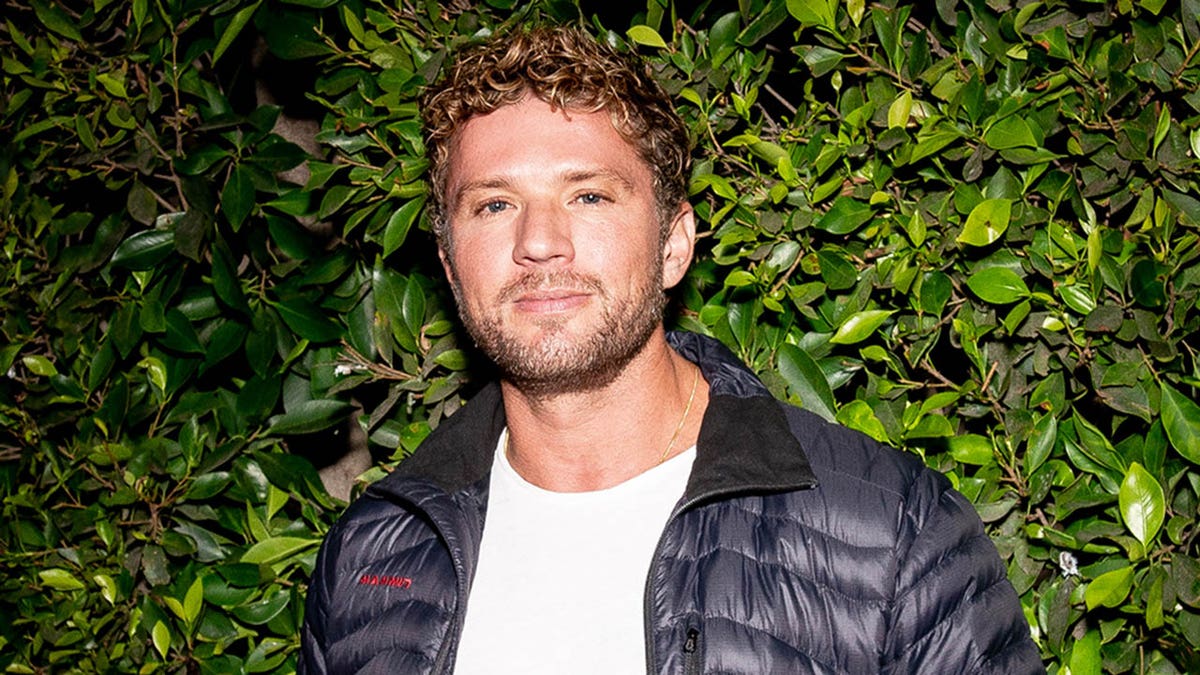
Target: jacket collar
{"points": [[744, 444]]}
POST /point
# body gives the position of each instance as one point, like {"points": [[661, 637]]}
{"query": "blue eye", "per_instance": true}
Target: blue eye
{"points": [[495, 207], [591, 198]]}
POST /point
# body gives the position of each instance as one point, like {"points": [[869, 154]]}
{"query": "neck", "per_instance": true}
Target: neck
{"points": [[583, 441]]}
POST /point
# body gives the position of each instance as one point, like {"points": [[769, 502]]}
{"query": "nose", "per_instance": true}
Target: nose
{"points": [[543, 236]]}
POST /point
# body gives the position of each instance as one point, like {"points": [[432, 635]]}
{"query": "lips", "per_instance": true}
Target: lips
{"points": [[550, 292], [551, 300]]}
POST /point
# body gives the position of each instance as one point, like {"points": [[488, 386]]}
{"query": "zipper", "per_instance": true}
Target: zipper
{"points": [[692, 661], [647, 614]]}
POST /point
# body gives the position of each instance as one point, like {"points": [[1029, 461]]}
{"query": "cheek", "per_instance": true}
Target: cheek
{"points": [[473, 270]]}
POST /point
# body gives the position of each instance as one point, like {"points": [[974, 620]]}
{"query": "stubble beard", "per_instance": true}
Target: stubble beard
{"points": [[556, 362]]}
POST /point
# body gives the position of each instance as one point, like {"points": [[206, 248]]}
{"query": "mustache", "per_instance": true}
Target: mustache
{"points": [[563, 280]]}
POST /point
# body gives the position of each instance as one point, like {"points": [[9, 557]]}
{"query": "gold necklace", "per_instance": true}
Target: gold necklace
{"points": [[686, 409], [674, 437]]}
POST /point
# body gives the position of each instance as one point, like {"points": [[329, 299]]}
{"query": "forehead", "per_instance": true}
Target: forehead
{"points": [[531, 141]]}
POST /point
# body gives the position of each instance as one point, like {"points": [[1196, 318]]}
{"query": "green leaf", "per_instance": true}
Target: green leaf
{"points": [[60, 579], [934, 426], [860, 326], [1077, 298], [156, 371], [813, 12], [645, 35], [310, 416], [1181, 418], [56, 20], [1010, 132], [113, 83], [259, 613], [108, 587], [936, 289], [353, 24], [858, 415], [837, 272], [180, 334], [161, 636], [237, 197], [276, 549], [144, 250], [207, 485], [39, 365], [225, 281], [141, 204], [822, 60], [140, 9], [193, 602], [740, 317], [1109, 589], [845, 216], [412, 308], [1163, 126], [807, 381], [739, 278], [234, 28], [1085, 655], [174, 605], [998, 285], [1142, 504], [972, 449], [453, 359], [1189, 207], [399, 224], [763, 25], [900, 110], [307, 320], [1041, 443], [1096, 444], [987, 222]]}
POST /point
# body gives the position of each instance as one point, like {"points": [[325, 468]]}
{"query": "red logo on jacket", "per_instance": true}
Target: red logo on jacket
{"points": [[384, 580]]}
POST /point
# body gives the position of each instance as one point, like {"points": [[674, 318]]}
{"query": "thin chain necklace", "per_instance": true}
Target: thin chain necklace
{"points": [[686, 409], [674, 437]]}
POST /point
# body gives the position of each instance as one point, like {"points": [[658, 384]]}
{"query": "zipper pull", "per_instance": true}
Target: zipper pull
{"points": [[691, 653], [692, 641]]}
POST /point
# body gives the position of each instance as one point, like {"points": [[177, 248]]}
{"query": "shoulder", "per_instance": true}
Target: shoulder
{"points": [[887, 493], [377, 523]]}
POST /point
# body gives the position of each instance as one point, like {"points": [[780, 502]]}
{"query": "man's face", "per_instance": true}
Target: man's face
{"points": [[556, 253]]}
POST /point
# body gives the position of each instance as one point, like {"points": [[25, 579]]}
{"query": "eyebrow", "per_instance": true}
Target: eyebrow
{"points": [[476, 186], [604, 174]]}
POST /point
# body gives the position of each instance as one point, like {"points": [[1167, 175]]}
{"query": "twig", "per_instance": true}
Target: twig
{"points": [[912, 86], [929, 368], [778, 97], [1184, 64], [357, 362], [987, 379]]}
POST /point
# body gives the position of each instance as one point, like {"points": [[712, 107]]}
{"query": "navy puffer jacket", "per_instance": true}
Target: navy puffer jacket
{"points": [[798, 547]]}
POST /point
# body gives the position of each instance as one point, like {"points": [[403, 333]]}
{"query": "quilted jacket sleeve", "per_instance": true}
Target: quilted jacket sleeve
{"points": [[955, 610], [316, 612]]}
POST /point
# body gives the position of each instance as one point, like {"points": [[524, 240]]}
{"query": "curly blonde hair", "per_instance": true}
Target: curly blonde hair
{"points": [[567, 68]]}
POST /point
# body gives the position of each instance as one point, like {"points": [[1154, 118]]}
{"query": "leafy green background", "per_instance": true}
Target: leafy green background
{"points": [[970, 230]]}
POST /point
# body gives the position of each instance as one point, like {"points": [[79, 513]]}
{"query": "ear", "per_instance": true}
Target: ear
{"points": [[444, 257], [679, 245]]}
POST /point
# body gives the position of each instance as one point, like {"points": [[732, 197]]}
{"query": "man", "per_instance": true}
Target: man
{"points": [[624, 499]]}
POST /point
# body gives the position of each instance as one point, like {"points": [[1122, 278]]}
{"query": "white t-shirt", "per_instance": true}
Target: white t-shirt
{"points": [[562, 575]]}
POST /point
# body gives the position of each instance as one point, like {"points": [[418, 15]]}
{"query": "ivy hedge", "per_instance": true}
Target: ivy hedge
{"points": [[968, 229]]}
